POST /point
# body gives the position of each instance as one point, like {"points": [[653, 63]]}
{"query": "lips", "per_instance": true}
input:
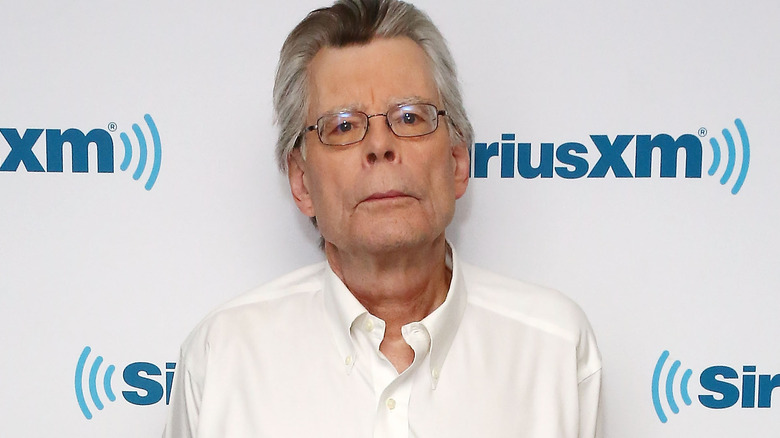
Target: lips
{"points": [[390, 194]]}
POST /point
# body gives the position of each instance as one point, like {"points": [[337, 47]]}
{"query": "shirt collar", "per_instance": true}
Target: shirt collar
{"points": [[443, 323], [343, 310]]}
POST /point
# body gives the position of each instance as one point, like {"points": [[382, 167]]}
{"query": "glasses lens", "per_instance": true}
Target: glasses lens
{"points": [[342, 128], [413, 120]]}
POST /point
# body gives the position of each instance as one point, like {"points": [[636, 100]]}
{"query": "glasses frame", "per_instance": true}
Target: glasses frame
{"points": [[315, 127]]}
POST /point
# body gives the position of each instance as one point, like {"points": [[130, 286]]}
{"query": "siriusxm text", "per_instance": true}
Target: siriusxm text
{"points": [[22, 144], [148, 389], [572, 160], [723, 382]]}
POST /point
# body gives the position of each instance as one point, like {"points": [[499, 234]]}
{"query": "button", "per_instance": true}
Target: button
{"points": [[390, 404], [348, 360], [369, 326], [435, 373]]}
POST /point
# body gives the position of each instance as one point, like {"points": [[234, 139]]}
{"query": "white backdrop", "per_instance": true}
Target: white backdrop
{"points": [[94, 259]]}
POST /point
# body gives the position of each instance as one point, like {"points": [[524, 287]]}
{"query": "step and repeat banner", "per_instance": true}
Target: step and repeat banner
{"points": [[624, 154]]}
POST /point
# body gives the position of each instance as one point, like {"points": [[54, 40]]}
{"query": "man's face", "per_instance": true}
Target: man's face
{"points": [[383, 193]]}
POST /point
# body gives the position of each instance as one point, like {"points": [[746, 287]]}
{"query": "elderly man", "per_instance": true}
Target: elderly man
{"points": [[392, 336]]}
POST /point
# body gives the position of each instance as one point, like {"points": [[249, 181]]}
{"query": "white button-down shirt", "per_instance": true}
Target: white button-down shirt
{"points": [[299, 357]]}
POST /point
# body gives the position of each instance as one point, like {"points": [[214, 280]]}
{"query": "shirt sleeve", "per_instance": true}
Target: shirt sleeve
{"points": [[589, 382], [589, 391], [183, 412]]}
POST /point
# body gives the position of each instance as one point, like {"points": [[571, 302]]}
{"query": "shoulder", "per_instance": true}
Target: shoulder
{"points": [[544, 311], [301, 281], [266, 305], [536, 306]]}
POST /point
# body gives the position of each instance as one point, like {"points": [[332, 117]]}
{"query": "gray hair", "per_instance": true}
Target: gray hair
{"points": [[350, 22]]}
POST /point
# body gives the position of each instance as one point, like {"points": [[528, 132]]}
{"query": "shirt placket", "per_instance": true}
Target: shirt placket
{"points": [[392, 414]]}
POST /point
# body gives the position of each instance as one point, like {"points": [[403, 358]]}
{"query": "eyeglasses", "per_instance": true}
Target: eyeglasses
{"points": [[409, 120]]}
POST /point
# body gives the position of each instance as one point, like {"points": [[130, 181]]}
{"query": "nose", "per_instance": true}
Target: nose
{"points": [[380, 142]]}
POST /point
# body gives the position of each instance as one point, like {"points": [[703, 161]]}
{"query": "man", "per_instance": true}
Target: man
{"points": [[392, 336]]}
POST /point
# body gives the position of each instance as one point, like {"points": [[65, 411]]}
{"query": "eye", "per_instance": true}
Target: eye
{"points": [[409, 118], [344, 126]]}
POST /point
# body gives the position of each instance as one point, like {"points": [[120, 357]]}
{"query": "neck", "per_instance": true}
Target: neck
{"points": [[399, 287]]}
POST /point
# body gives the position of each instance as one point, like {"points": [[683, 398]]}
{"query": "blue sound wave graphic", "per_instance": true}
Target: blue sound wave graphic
{"points": [[143, 153], [669, 387], [92, 383], [732, 157]]}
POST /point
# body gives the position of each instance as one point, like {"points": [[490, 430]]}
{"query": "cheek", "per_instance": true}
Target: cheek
{"points": [[440, 182], [443, 171], [318, 194], [325, 190]]}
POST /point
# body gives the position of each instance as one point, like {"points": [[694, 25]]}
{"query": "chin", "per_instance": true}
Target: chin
{"points": [[388, 235], [393, 241]]}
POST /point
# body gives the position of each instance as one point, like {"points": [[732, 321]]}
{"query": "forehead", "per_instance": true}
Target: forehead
{"points": [[370, 77]]}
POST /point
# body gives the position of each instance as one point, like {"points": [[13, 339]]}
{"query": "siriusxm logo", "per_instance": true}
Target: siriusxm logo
{"points": [[569, 160], [723, 385], [143, 391], [22, 144]]}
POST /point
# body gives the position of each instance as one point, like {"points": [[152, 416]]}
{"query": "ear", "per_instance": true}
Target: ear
{"points": [[296, 174], [460, 154]]}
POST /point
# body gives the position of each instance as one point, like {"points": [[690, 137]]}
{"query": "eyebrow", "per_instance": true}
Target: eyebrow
{"points": [[394, 101], [344, 109], [409, 100]]}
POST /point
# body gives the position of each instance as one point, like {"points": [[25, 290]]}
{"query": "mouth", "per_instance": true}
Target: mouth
{"points": [[386, 196]]}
